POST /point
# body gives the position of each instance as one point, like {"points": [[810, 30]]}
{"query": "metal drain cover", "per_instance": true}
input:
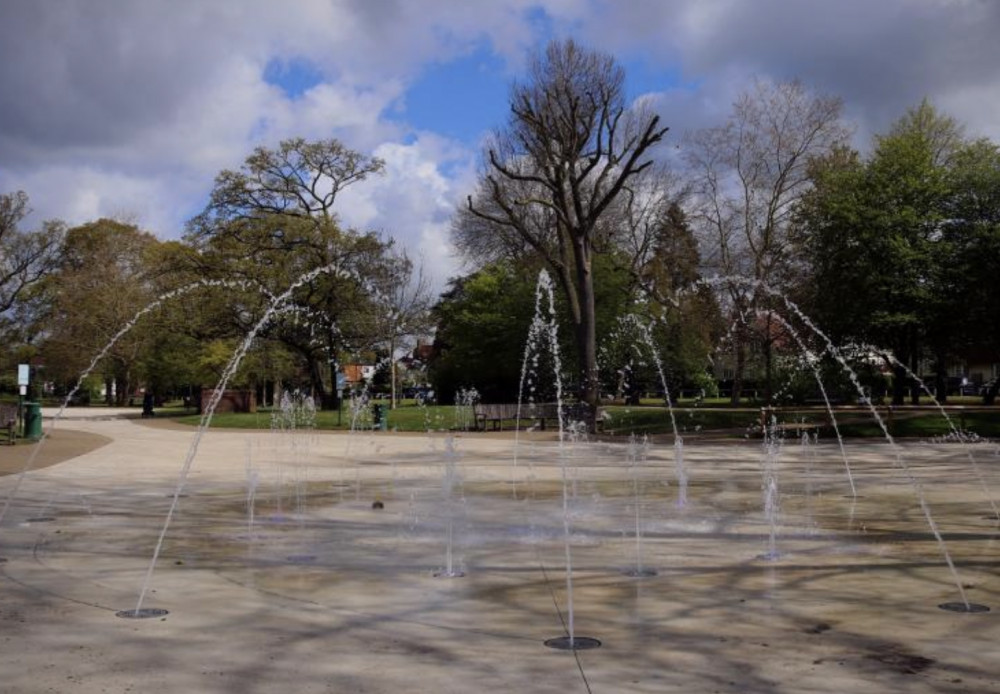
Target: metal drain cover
{"points": [[577, 643], [962, 607], [144, 613], [639, 573], [40, 519]]}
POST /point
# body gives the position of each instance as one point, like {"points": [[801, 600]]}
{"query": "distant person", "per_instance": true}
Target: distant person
{"points": [[147, 404]]}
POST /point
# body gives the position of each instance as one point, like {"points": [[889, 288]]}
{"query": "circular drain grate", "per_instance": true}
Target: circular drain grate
{"points": [[962, 607], [577, 643], [144, 613], [639, 573]]}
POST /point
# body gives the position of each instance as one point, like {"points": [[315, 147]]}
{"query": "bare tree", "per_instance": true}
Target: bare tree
{"points": [[747, 176], [552, 176], [402, 310], [25, 257]]}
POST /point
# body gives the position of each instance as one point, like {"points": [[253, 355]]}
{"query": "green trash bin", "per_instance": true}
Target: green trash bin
{"points": [[379, 418], [33, 420]]}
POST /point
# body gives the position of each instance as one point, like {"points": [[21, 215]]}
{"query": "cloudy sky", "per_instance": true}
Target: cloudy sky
{"points": [[129, 108]]}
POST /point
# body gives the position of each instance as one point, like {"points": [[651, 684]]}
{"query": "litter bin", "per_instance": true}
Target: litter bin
{"points": [[378, 417], [33, 420]]}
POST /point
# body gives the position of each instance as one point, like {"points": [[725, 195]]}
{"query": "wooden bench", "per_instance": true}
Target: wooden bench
{"points": [[797, 428], [539, 413], [8, 422], [494, 413]]}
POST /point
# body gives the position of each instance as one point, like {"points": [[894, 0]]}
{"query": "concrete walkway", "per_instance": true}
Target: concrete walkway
{"points": [[277, 574]]}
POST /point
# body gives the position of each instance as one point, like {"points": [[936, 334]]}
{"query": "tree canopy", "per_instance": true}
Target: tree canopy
{"points": [[899, 241]]}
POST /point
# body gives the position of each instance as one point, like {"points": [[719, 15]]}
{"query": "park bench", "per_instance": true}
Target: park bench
{"points": [[539, 413], [494, 413], [796, 428], [8, 422]]}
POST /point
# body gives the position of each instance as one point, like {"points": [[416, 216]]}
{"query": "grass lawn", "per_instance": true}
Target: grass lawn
{"points": [[405, 418], [645, 419], [856, 422]]}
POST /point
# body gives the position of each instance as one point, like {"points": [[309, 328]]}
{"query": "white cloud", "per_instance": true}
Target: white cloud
{"points": [[880, 57], [137, 106], [134, 107], [414, 200], [78, 193]]}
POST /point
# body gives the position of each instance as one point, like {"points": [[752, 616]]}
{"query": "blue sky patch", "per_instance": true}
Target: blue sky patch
{"points": [[460, 98], [294, 77], [643, 77]]}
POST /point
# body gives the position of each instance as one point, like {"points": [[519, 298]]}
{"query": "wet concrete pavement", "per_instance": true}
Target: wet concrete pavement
{"points": [[277, 574]]}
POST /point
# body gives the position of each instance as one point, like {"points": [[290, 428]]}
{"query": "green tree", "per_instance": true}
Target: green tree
{"points": [[663, 261], [969, 302], [893, 242], [103, 280], [271, 223], [482, 323]]}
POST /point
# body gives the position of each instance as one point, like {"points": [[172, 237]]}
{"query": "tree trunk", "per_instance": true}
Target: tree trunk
{"points": [[940, 379], [899, 380], [392, 374], [318, 386], [914, 385], [121, 390], [768, 368], [587, 335], [632, 389], [740, 367]]}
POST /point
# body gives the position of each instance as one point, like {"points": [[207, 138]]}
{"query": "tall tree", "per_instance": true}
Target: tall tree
{"points": [[968, 300], [686, 316], [552, 176], [104, 278], [273, 221], [747, 176], [889, 241]]}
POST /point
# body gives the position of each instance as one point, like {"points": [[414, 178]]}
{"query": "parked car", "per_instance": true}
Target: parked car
{"points": [[985, 388]]}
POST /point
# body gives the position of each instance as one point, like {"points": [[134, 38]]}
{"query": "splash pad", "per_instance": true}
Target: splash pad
{"points": [[850, 602]]}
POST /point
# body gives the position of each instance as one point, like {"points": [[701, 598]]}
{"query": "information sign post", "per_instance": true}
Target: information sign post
{"points": [[23, 377]]}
